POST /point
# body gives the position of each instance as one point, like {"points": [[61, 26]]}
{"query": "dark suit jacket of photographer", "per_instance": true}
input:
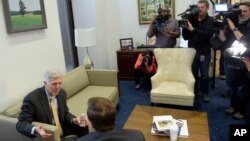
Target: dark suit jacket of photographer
{"points": [[199, 38]]}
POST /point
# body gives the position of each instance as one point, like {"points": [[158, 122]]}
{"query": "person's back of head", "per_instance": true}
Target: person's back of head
{"points": [[101, 114]]}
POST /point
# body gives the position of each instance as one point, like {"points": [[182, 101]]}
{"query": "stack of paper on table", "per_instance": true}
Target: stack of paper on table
{"points": [[162, 124]]}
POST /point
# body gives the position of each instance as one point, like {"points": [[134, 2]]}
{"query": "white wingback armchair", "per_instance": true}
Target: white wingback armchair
{"points": [[173, 82]]}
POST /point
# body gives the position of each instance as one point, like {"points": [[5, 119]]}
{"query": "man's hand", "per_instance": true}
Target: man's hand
{"points": [[41, 132], [79, 121], [190, 27], [246, 61]]}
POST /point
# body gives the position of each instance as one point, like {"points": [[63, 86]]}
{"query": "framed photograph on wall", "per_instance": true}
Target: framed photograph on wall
{"points": [[24, 15], [148, 8], [126, 44]]}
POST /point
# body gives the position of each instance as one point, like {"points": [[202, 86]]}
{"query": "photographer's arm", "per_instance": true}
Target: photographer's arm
{"points": [[206, 33], [151, 29], [152, 68], [138, 61], [235, 30]]}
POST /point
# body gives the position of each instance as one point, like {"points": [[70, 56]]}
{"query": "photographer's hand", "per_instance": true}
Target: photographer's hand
{"points": [[190, 27], [246, 61]]}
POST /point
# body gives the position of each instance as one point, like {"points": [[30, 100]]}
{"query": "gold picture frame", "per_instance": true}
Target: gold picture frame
{"points": [[24, 15], [148, 8]]}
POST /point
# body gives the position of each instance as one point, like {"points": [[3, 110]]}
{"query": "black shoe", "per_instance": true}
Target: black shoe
{"points": [[138, 86], [238, 115], [222, 76], [205, 98], [230, 111]]}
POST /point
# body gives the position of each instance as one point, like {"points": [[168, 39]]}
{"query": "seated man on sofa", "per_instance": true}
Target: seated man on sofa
{"points": [[101, 115], [48, 105]]}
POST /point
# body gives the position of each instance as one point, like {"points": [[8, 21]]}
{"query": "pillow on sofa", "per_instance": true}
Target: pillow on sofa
{"points": [[75, 80]]}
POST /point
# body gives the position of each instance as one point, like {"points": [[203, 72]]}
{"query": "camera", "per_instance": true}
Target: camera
{"points": [[160, 18], [189, 14], [226, 11], [144, 58]]}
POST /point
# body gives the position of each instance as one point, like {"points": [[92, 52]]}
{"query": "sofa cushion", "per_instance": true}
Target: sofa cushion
{"points": [[78, 103], [75, 80]]}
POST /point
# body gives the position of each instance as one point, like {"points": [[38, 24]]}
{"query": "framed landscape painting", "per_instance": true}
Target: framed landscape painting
{"points": [[24, 15], [148, 8]]}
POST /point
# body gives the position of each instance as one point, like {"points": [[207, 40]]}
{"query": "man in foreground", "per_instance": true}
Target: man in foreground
{"points": [[48, 105]]}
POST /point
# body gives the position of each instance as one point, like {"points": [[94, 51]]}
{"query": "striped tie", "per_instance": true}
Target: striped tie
{"points": [[55, 115]]}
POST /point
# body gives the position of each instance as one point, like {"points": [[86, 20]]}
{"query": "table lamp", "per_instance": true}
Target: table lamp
{"points": [[85, 38]]}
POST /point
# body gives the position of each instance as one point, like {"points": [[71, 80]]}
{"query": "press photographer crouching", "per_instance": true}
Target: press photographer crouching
{"points": [[235, 79], [145, 67], [165, 28]]}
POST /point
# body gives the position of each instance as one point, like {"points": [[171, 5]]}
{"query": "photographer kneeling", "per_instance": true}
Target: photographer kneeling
{"points": [[145, 66], [239, 31]]}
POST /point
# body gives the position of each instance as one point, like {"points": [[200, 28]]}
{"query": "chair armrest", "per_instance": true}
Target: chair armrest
{"points": [[155, 80], [189, 81], [50, 129], [103, 77]]}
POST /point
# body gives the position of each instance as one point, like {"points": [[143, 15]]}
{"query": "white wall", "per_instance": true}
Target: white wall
{"points": [[113, 20], [25, 56]]}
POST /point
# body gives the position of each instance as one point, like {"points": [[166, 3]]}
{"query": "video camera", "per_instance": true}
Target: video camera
{"points": [[188, 15], [226, 11], [160, 18]]}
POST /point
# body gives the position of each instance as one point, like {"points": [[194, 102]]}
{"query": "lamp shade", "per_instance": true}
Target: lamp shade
{"points": [[85, 37]]}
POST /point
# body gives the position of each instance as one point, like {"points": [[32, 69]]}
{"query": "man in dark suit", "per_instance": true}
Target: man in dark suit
{"points": [[37, 106], [101, 115]]}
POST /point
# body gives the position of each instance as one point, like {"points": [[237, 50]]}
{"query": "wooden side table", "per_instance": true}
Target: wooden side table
{"points": [[126, 60]]}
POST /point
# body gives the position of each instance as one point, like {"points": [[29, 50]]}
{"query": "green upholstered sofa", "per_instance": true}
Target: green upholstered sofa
{"points": [[80, 85]]}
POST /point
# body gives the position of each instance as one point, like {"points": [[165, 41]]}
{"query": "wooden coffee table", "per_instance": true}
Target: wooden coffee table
{"points": [[142, 116]]}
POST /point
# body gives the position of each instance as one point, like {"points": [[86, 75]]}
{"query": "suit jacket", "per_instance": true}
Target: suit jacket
{"points": [[36, 108], [114, 135]]}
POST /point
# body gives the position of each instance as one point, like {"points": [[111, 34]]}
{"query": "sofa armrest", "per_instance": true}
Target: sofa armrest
{"points": [[103, 77], [9, 133], [50, 129], [8, 130], [155, 80]]}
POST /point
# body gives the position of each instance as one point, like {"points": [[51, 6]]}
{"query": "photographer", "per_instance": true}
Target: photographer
{"points": [[246, 89], [164, 28], [239, 31], [198, 33], [145, 66]]}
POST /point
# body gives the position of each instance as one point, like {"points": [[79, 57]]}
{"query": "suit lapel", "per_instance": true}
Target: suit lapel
{"points": [[45, 104]]}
